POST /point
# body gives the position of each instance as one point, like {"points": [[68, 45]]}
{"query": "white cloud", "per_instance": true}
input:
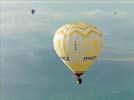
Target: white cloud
{"points": [[71, 1], [106, 14], [22, 22], [122, 59], [117, 54]]}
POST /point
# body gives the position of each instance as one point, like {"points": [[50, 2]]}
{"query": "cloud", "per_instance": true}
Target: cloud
{"points": [[21, 22], [72, 1], [120, 59], [24, 32], [107, 14], [117, 54]]}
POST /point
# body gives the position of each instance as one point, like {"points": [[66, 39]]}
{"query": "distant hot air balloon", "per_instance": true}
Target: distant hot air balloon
{"points": [[78, 46], [32, 11], [115, 13]]}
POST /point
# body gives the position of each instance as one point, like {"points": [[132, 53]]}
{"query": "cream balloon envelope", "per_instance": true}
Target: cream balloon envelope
{"points": [[78, 45]]}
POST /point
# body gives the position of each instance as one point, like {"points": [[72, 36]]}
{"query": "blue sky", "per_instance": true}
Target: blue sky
{"points": [[22, 32], [27, 52]]}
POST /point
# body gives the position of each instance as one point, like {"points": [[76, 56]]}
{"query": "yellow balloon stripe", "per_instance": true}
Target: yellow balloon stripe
{"points": [[87, 31]]}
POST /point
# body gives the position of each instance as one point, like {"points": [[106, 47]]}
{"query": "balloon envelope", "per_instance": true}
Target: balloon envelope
{"points": [[77, 45]]}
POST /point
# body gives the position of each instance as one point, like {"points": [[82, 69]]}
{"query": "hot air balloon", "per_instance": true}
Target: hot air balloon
{"points": [[115, 13], [32, 11], [78, 45]]}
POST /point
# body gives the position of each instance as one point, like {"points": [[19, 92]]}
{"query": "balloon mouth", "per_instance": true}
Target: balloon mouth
{"points": [[78, 74]]}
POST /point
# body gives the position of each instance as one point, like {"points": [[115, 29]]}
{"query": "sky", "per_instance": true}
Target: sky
{"points": [[30, 68], [18, 25]]}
